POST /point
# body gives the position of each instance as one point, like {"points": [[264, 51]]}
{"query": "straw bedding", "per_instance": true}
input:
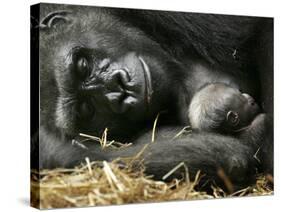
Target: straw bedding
{"points": [[102, 183], [123, 181]]}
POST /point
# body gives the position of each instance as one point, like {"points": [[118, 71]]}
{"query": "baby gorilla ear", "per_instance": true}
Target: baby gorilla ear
{"points": [[232, 118]]}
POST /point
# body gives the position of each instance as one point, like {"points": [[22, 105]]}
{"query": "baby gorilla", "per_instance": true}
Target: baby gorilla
{"points": [[220, 108]]}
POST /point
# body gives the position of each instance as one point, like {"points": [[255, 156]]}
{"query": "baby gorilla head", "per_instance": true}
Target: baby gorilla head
{"points": [[221, 108]]}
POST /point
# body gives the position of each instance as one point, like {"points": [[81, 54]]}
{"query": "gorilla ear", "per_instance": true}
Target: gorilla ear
{"points": [[55, 18], [232, 118]]}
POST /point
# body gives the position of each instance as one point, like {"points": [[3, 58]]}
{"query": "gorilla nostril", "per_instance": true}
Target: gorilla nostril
{"points": [[120, 77], [251, 101]]}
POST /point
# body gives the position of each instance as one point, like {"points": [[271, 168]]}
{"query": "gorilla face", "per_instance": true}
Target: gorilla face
{"points": [[105, 78]]}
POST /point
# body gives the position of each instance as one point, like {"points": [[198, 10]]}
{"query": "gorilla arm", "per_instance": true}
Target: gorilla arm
{"points": [[260, 137], [56, 152], [204, 152]]}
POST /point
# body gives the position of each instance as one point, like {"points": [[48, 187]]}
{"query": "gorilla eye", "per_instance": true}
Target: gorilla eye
{"points": [[82, 67]]}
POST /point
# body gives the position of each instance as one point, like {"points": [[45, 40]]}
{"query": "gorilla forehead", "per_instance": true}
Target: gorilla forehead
{"points": [[96, 28]]}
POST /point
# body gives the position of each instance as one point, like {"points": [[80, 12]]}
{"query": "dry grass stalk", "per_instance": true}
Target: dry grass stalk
{"points": [[110, 184], [92, 184], [154, 128], [121, 182], [183, 131], [226, 180], [181, 164], [103, 141]]}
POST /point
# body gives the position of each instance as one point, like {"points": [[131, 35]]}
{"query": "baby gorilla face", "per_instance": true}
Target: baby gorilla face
{"points": [[241, 108]]}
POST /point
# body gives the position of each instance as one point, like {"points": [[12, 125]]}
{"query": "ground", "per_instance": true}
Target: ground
{"points": [[102, 183]]}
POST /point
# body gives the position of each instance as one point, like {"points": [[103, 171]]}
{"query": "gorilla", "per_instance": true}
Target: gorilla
{"points": [[220, 108], [118, 69]]}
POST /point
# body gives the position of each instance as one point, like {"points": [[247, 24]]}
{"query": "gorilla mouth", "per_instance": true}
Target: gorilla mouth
{"points": [[147, 79]]}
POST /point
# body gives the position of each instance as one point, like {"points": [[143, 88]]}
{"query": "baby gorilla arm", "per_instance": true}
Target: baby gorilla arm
{"points": [[256, 133], [206, 152]]}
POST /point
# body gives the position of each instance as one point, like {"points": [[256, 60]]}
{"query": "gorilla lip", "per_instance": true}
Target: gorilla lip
{"points": [[147, 78]]}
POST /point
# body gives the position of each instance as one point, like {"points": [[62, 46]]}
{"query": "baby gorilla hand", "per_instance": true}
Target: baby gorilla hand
{"points": [[256, 132], [259, 121]]}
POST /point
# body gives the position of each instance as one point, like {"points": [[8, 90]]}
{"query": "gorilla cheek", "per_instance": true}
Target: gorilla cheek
{"points": [[65, 118]]}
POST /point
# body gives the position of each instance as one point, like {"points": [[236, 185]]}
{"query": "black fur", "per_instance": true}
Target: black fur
{"points": [[194, 49]]}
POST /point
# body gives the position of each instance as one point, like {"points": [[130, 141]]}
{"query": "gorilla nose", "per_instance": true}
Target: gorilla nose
{"points": [[114, 88], [250, 99], [118, 79], [120, 96], [255, 109]]}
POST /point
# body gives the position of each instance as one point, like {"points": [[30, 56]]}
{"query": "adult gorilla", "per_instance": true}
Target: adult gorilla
{"points": [[117, 69]]}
